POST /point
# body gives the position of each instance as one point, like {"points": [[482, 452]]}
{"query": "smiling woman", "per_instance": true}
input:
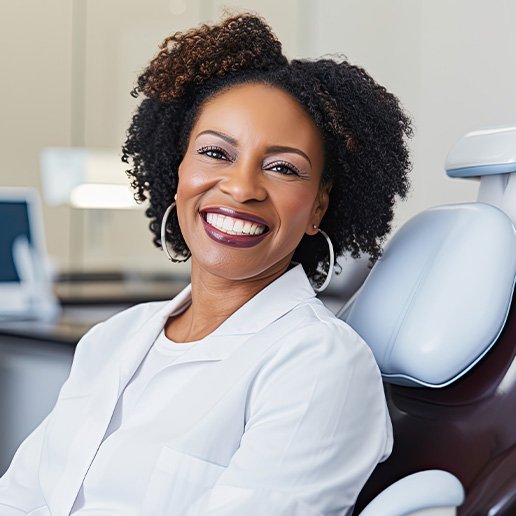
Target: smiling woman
{"points": [[244, 394], [250, 183], [360, 124]]}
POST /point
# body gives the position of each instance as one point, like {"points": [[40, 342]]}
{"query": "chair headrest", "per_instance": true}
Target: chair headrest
{"points": [[436, 301], [484, 152]]}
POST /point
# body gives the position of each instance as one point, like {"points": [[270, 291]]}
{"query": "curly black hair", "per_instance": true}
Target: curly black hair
{"points": [[363, 127]]}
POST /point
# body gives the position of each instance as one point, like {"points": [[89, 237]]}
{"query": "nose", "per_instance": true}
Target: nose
{"points": [[244, 182]]}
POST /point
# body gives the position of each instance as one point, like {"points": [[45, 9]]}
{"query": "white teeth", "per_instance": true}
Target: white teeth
{"points": [[239, 224], [233, 226], [228, 224], [246, 228]]}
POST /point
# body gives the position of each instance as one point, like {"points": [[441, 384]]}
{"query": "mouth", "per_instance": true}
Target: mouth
{"points": [[233, 228]]}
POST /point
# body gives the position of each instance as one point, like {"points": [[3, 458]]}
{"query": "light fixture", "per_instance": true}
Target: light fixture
{"points": [[85, 178]]}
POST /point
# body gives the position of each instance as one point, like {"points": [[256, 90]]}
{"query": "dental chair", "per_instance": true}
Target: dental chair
{"points": [[436, 312]]}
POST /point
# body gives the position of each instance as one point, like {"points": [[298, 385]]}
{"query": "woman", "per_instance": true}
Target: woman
{"points": [[244, 394]]}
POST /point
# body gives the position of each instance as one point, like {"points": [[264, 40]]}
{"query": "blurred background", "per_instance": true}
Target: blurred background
{"points": [[68, 67]]}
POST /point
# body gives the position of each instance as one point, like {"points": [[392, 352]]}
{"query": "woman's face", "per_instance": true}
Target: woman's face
{"points": [[249, 183]]}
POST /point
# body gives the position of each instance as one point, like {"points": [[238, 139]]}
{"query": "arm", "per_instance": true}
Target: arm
{"points": [[317, 426], [19, 487], [20, 491]]}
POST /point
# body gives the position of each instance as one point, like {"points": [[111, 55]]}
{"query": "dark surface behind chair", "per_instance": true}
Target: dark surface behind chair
{"points": [[467, 428]]}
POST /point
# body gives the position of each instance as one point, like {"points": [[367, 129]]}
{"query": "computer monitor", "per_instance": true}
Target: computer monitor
{"points": [[25, 283]]}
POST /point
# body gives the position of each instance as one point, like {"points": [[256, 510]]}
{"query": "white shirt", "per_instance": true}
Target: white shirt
{"points": [[126, 428], [284, 415]]}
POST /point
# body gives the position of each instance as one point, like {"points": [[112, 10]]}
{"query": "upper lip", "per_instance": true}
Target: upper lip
{"points": [[230, 212]]}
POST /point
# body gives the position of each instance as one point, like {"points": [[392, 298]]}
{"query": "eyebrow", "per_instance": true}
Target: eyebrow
{"points": [[225, 137], [274, 148], [282, 148]]}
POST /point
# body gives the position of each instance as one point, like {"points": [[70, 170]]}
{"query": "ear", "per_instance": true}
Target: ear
{"points": [[319, 209]]}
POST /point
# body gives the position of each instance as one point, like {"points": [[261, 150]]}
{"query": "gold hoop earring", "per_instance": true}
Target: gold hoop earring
{"points": [[329, 274], [164, 244]]}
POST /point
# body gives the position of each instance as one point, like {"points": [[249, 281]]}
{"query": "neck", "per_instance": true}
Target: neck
{"points": [[215, 299]]}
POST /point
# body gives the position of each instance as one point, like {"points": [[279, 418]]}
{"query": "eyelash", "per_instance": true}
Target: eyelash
{"points": [[211, 150], [291, 168]]}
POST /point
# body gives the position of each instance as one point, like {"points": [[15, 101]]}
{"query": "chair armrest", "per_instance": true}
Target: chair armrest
{"points": [[419, 491]]}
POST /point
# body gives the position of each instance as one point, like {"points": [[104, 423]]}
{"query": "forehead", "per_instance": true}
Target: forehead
{"points": [[259, 111]]}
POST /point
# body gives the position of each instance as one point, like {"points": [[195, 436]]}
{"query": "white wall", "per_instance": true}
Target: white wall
{"points": [[35, 96], [68, 65], [119, 38], [451, 63]]}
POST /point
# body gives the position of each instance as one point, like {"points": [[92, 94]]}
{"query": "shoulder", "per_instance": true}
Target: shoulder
{"points": [[105, 338], [325, 369], [123, 323], [312, 328], [134, 316], [315, 344]]}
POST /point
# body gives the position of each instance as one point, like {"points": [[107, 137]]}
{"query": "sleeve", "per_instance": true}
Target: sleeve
{"points": [[20, 491], [317, 426], [19, 487]]}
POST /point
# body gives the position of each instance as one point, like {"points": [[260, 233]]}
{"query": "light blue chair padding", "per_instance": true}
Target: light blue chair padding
{"points": [[482, 170], [484, 152], [438, 298], [423, 490]]}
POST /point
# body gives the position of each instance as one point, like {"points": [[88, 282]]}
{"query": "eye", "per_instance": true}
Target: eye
{"points": [[283, 167], [214, 152]]}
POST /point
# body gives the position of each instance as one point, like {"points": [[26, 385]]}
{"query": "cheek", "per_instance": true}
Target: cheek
{"points": [[296, 209], [192, 180]]}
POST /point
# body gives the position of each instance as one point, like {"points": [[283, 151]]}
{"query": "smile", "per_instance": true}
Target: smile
{"points": [[233, 228]]}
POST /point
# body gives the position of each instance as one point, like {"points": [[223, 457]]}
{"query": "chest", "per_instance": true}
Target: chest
{"points": [[164, 413], [138, 462]]}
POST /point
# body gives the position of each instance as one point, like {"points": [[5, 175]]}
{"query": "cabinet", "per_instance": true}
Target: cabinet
{"points": [[31, 374]]}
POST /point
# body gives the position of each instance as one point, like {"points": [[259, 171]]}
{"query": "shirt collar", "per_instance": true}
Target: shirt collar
{"points": [[271, 303], [274, 301]]}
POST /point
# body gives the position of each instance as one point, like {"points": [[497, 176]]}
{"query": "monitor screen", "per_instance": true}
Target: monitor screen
{"points": [[14, 223]]}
